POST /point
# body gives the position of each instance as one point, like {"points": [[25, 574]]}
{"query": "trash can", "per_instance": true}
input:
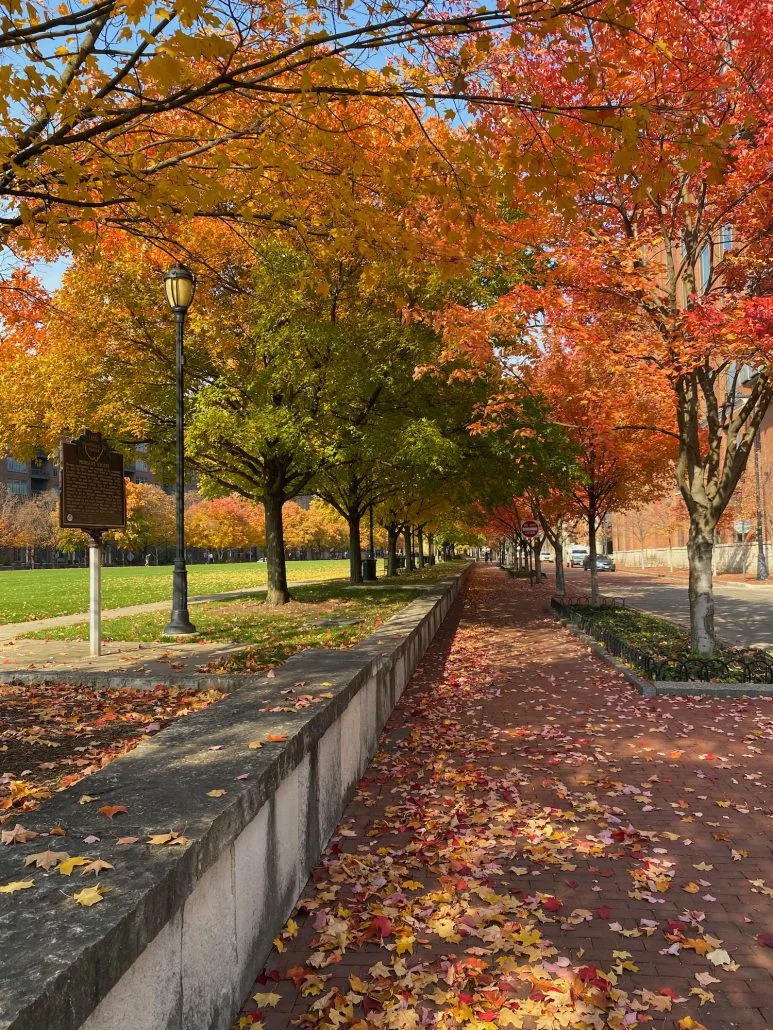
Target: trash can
{"points": [[368, 570]]}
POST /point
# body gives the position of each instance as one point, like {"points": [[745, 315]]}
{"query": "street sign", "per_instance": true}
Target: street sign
{"points": [[93, 493], [93, 498], [529, 529]]}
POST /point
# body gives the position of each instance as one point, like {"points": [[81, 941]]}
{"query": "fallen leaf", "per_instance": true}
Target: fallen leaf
{"points": [[18, 835], [215, 793], [90, 896], [169, 839], [276, 738], [127, 840], [16, 885], [96, 867], [46, 859], [66, 867], [270, 1000], [111, 811]]}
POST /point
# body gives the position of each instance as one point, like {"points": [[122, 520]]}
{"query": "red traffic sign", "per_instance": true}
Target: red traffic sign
{"points": [[529, 529]]}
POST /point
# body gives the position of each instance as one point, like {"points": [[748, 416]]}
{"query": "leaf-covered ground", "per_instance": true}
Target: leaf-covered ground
{"points": [[53, 735], [46, 593], [662, 640], [535, 845]]}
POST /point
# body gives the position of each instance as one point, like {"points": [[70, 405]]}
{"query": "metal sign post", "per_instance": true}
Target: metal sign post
{"points": [[92, 498], [95, 593]]}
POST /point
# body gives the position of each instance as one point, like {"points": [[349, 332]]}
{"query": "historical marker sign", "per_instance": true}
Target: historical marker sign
{"points": [[529, 529], [93, 494]]}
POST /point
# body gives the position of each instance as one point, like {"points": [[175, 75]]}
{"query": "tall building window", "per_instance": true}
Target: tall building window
{"points": [[16, 466], [705, 266], [140, 465], [726, 239], [18, 486]]}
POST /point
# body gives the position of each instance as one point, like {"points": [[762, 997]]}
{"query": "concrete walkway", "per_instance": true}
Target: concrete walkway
{"points": [[535, 845]]}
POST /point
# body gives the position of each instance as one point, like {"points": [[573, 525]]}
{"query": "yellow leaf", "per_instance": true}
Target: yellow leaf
{"points": [[508, 1017], [16, 885], [170, 839], [215, 793], [66, 867], [270, 1000], [90, 896], [255, 744]]}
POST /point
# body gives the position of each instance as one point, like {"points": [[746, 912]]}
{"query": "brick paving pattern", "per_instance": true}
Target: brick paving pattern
{"points": [[535, 845]]}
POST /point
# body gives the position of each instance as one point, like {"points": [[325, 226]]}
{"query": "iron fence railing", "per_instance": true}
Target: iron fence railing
{"points": [[736, 669]]}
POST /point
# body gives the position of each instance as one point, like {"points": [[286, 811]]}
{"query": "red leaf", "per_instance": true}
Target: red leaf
{"points": [[383, 926]]}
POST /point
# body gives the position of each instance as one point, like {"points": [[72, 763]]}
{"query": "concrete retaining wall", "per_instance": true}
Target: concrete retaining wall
{"points": [[739, 558], [180, 935]]}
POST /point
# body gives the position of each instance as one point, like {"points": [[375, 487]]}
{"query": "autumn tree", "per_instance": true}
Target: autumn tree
{"points": [[593, 401], [224, 523], [663, 229], [32, 524], [149, 518]]}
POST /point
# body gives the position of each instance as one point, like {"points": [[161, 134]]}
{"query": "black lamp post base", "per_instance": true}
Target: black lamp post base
{"points": [[180, 625]]}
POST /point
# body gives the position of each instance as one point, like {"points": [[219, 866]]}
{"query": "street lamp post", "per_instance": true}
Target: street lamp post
{"points": [[179, 286], [762, 563]]}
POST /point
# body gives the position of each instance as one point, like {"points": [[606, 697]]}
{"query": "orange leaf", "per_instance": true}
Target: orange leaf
{"points": [[112, 810]]}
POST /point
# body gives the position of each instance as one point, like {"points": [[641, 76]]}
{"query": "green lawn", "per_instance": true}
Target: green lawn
{"points": [[44, 593], [277, 633]]}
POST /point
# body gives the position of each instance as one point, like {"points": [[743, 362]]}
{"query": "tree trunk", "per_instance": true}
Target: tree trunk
{"points": [[355, 551], [431, 545], [700, 550], [391, 550], [594, 572], [277, 592], [558, 547], [420, 542], [537, 549], [409, 566]]}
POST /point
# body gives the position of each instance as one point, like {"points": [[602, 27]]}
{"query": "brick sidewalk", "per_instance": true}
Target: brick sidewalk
{"points": [[535, 845]]}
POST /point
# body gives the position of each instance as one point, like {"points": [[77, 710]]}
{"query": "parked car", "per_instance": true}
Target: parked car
{"points": [[603, 563], [577, 557], [546, 556]]}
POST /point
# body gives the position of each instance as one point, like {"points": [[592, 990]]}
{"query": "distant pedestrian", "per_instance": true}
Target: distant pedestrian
{"points": [[147, 560]]}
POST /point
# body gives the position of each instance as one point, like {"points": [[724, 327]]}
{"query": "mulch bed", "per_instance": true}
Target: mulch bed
{"points": [[55, 734]]}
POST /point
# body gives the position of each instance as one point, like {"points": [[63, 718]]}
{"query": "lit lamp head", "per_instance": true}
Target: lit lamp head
{"points": [[179, 286]]}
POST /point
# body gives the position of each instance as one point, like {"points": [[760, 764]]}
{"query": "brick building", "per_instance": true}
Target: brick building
{"points": [[27, 478]]}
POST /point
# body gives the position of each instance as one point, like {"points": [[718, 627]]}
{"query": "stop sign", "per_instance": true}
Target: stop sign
{"points": [[529, 529]]}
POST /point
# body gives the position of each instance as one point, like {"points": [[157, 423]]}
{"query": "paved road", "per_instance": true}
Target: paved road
{"points": [[744, 611]]}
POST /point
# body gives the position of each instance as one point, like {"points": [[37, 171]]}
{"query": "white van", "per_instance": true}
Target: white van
{"points": [[577, 556]]}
